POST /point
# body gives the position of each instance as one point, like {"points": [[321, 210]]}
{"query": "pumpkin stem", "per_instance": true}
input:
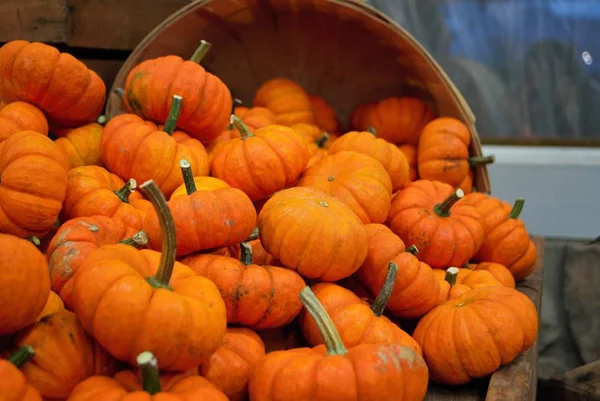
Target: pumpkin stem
{"points": [[385, 293], [201, 51], [475, 160], [443, 209], [235, 103], [21, 355], [331, 336], [126, 190], [372, 130], [34, 240], [101, 119], [451, 274], [243, 128], [517, 208], [246, 253], [149, 371], [322, 139], [173, 116], [120, 92], [188, 176], [138, 240], [167, 228], [254, 235], [413, 249]]}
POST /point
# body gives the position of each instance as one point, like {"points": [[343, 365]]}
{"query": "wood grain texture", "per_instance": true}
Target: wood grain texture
{"points": [[33, 20], [580, 384]]}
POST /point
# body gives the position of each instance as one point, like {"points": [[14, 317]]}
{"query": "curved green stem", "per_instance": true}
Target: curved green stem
{"points": [[167, 229], [126, 190], [138, 240], [34, 240], [246, 253], [188, 176], [443, 209], [517, 208], [322, 140], [201, 51], [331, 336], [21, 356], [120, 92], [385, 293], [413, 249], [372, 130], [243, 128], [173, 116], [475, 160], [451, 274], [254, 235], [148, 365]]}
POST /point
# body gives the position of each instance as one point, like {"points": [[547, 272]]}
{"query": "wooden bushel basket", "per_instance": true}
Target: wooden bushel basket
{"points": [[343, 50]]}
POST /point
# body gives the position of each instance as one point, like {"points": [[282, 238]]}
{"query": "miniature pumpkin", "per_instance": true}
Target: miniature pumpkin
{"points": [[443, 152], [134, 148], [33, 185], [325, 117], [357, 180], [160, 293], [64, 355], [260, 163], [151, 386], [24, 283], [396, 119], [57, 83], [259, 255], [473, 335], [499, 271], [94, 191], [14, 386], [426, 214], [205, 218], [364, 372], [21, 116], [231, 366], [287, 100], [392, 158], [455, 282], [259, 297], [493, 211], [416, 288], [467, 184], [410, 151], [76, 239], [53, 305], [312, 233], [81, 146], [356, 320], [152, 85], [310, 132]]}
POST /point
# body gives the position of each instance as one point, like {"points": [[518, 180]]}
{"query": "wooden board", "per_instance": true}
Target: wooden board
{"points": [[513, 382], [33, 20], [580, 384]]}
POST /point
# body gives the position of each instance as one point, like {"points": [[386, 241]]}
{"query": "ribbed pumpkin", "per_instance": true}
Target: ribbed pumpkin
{"points": [[410, 151], [493, 211], [392, 158], [312, 233], [134, 148], [53, 305], [262, 162], [259, 297], [499, 271], [57, 83], [416, 288], [81, 146], [317, 150], [356, 320], [325, 117], [21, 116], [33, 185], [94, 191], [24, 283], [473, 335], [426, 214], [398, 120], [152, 85], [467, 183], [14, 386], [259, 255], [357, 180], [288, 100], [455, 282], [232, 365], [443, 152]]}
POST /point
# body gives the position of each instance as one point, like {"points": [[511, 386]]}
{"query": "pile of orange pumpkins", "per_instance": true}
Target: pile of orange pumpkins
{"points": [[215, 251]]}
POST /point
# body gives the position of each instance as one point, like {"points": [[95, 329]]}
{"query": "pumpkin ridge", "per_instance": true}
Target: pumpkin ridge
{"points": [[281, 168], [483, 321], [143, 144], [357, 199], [43, 92], [280, 158], [39, 200], [246, 167], [80, 95], [176, 70], [265, 315], [452, 336], [305, 246]]}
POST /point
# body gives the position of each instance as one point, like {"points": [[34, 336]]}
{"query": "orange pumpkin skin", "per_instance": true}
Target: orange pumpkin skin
{"points": [[329, 241], [365, 372], [325, 117], [33, 185], [21, 116], [357, 180], [466, 280], [24, 286], [58, 84], [500, 272], [259, 255], [392, 158], [467, 184], [442, 240], [258, 297], [354, 319], [416, 290], [490, 327], [256, 164], [287, 100], [150, 87], [134, 148], [232, 365], [64, 355], [493, 211], [201, 183], [410, 151], [114, 273], [396, 119], [92, 191], [81, 146], [310, 132], [14, 386], [53, 305]]}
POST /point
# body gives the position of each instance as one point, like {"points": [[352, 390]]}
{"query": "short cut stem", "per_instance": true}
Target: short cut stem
{"points": [[517, 208], [21, 356], [188, 176], [173, 116], [443, 209], [201, 51], [148, 365]]}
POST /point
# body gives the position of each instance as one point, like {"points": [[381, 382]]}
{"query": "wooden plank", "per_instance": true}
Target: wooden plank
{"points": [[33, 20], [116, 24], [580, 384]]}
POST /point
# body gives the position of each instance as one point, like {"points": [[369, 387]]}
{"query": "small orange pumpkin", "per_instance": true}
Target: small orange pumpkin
{"points": [[53, 305], [81, 146], [325, 117], [288, 100], [410, 151], [21, 116], [455, 282], [14, 386], [467, 184], [499, 271]]}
